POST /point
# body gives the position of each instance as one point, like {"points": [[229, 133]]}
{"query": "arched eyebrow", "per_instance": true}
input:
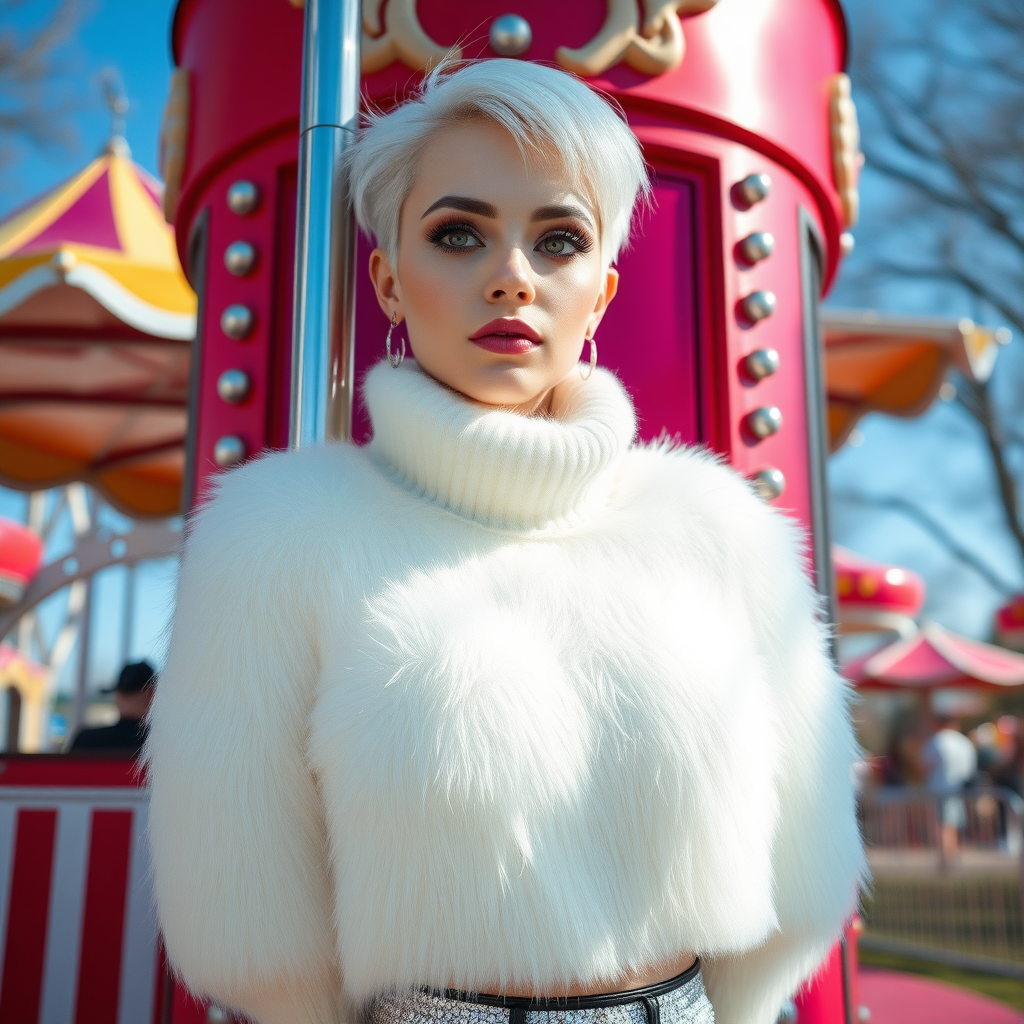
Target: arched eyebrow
{"points": [[558, 210], [465, 204], [468, 205]]}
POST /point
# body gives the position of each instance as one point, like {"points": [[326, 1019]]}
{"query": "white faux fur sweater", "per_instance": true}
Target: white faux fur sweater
{"points": [[496, 700]]}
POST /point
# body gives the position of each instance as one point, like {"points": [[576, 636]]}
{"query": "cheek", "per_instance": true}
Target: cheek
{"points": [[573, 292], [429, 286]]}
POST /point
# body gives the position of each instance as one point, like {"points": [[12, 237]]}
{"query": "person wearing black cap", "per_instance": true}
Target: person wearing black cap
{"points": [[133, 694]]}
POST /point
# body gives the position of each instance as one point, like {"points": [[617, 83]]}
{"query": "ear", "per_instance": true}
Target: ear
{"points": [[611, 286], [385, 284]]}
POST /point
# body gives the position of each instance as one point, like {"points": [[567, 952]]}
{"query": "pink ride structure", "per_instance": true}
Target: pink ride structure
{"points": [[745, 118]]}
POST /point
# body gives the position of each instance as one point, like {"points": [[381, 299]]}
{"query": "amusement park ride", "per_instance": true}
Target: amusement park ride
{"points": [[746, 121]]}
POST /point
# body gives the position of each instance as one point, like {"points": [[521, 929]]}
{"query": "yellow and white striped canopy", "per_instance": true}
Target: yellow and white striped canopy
{"points": [[97, 325], [103, 232]]}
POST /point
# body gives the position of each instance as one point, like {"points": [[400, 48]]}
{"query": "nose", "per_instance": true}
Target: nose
{"points": [[513, 279]]}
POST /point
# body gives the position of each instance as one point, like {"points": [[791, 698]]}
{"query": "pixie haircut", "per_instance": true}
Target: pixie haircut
{"points": [[547, 112]]}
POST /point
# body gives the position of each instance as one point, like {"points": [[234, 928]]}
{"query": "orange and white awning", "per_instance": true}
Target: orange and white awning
{"points": [[877, 362]]}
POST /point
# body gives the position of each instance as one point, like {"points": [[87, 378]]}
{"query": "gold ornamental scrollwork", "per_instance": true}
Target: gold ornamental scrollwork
{"points": [[652, 47], [173, 140], [844, 135], [645, 34], [403, 39]]}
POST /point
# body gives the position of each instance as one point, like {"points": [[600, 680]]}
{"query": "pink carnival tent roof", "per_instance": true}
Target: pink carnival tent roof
{"points": [[937, 658]]}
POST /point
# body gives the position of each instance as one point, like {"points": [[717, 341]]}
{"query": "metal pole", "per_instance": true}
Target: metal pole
{"points": [[82, 680], [322, 339], [128, 623]]}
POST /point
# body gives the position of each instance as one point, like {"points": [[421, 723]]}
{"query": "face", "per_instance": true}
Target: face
{"points": [[499, 278]]}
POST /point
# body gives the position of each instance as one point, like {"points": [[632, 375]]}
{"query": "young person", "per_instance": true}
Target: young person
{"points": [[500, 707]]}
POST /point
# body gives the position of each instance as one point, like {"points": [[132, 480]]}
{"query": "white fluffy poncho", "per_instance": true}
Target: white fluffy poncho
{"points": [[496, 700]]}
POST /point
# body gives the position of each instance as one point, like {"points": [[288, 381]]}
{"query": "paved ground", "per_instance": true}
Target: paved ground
{"points": [[897, 998]]}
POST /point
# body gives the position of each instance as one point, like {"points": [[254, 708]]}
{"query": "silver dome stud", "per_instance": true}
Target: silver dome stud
{"points": [[240, 258], [761, 363], [756, 247], [753, 189], [236, 321], [764, 421], [511, 35], [243, 198], [758, 305], [229, 451], [769, 484], [233, 386]]}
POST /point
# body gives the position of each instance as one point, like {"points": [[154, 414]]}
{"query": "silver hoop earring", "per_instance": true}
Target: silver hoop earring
{"points": [[395, 359], [593, 360]]}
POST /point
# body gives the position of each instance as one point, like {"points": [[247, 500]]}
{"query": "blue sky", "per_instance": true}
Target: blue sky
{"points": [[938, 458], [132, 36]]}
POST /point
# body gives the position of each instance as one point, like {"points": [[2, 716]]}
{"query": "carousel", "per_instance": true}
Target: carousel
{"points": [[96, 333], [96, 330]]}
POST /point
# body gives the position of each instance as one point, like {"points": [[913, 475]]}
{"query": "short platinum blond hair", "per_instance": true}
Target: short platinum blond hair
{"points": [[546, 111]]}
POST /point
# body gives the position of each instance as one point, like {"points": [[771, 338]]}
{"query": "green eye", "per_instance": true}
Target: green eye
{"points": [[558, 246], [459, 239]]}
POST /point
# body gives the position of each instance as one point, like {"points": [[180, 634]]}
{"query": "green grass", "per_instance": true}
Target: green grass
{"points": [[1006, 990]]}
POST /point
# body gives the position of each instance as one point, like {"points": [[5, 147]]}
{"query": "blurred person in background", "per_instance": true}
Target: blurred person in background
{"points": [[1009, 771], [949, 762], [133, 693]]}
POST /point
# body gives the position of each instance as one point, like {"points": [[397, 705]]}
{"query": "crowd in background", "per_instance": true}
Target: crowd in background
{"points": [[939, 751]]}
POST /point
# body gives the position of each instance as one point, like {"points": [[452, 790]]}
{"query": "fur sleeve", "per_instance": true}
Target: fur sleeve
{"points": [[238, 843], [817, 857]]}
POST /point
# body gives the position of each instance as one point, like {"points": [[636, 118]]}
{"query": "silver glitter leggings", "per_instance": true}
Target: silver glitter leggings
{"points": [[681, 1000]]}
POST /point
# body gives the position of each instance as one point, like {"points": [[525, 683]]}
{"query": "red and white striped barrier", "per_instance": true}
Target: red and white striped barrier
{"points": [[78, 933]]}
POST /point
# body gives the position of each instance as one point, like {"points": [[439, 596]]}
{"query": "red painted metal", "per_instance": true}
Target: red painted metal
{"points": [[99, 972], [823, 998], [21, 554], [78, 938], [751, 95], [45, 770], [21, 984]]}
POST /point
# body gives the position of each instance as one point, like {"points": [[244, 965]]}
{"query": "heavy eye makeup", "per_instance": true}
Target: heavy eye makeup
{"points": [[560, 243]]}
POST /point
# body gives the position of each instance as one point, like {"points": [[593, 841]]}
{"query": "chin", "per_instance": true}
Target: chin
{"points": [[506, 385]]}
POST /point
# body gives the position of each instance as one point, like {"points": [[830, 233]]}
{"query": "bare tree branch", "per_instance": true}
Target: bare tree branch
{"points": [[934, 529], [34, 103]]}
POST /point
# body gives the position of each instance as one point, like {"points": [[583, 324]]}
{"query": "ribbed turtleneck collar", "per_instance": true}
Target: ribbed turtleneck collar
{"points": [[498, 467]]}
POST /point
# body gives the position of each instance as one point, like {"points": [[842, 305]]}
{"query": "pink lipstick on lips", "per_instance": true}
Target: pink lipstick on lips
{"points": [[507, 337]]}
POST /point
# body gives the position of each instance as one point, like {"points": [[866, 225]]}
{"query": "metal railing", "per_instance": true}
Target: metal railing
{"points": [[947, 875]]}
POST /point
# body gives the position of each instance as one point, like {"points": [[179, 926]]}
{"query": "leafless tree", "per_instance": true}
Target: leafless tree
{"points": [[941, 96], [35, 97]]}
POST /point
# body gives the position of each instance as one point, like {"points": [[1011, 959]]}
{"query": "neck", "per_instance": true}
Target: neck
{"points": [[537, 406], [549, 463]]}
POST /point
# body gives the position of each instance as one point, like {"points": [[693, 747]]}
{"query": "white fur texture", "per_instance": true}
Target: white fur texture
{"points": [[406, 736]]}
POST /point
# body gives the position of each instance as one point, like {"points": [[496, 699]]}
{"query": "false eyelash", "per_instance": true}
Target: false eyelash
{"points": [[438, 232], [583, 242]]}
